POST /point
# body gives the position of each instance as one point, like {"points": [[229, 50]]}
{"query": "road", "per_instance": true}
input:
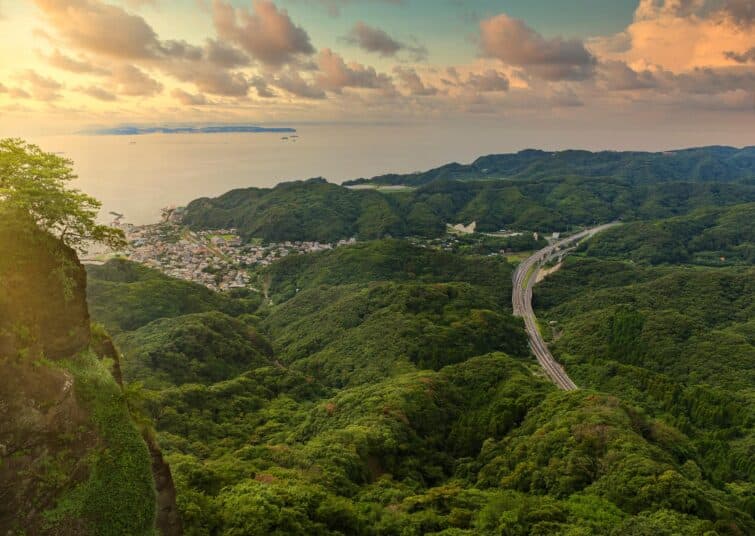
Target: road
{"points": [[521, 299]]}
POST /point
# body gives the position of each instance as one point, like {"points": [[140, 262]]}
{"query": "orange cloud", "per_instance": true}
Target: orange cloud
{"points": [[41, 88], [61, 61], [266, 33], [101, 28], [98, 93], [513, 42], [335, 75], [413, 83], [188, 99], [132, 81], [682, 35]]}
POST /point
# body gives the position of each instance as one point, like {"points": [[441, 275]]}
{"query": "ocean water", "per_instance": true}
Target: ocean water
{"points": [[138, 175]]}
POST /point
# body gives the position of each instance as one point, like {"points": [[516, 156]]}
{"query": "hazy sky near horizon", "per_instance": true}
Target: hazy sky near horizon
{"points": [[659, 65]]}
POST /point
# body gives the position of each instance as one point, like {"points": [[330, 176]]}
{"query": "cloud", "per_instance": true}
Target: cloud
{"points": [[101, 28], [335, 75], [3, 89], [292, 82], [680, 35], [175, 49], [98, 93], [224, 55], [40, 81], [266, 33], [618, 76], [747, 56], [564, 97], [209, 78], [334, 6], [189, 99], [740, 12], [40, 87], [375, 40], [66, 63], [412, 82], [141, 3], [134, 82], [110, 31], [513, 42], [262, 88], [18, 93], [710, 81], [488, 81]]}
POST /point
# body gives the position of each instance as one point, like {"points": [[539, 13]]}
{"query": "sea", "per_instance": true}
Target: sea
{"points": [[139, 175]]}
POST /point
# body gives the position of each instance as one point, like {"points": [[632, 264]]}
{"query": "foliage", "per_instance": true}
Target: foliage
{"points": [[363, 334], [316, 210], [33, 184], [125, 296], [397, 395], [197, 348], [711, 236], [699, 164], [118, 496], [302, 210], [387, 260], [399, 400], [676, 338]]}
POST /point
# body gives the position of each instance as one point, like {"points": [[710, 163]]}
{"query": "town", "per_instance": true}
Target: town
{"points": [[218, 259]]}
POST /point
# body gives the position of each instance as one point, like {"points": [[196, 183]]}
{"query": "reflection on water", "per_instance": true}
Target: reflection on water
{"points": [[138, 175]]}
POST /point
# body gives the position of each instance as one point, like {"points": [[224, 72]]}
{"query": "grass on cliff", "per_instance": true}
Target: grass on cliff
{"points": [[118, 496]]}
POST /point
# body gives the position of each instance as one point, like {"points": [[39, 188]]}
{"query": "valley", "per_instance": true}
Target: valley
{"points": [[402, 382]]}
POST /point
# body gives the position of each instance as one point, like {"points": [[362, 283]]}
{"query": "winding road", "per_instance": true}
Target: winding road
{"points": [[521, 298]]}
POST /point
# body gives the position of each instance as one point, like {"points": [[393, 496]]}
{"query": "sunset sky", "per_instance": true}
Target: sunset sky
{"points": [[66, 65]]}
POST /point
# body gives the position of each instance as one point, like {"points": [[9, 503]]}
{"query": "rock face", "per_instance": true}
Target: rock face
{"points": [[72, 461], [43, 306], [168, 519], [44, 437]]}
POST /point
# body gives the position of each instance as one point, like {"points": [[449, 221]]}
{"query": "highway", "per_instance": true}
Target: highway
{"points": [[521, 299]]}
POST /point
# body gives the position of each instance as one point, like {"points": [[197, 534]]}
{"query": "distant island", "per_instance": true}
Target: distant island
{"points": [[223, 129]]}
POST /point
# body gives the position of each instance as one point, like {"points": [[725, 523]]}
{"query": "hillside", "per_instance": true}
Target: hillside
{"points": [[387, 260], [302, 210], [72, 461], [125, 296], [533, 190], [398, 397], [696, 164], [708, 236], [676, 338]]}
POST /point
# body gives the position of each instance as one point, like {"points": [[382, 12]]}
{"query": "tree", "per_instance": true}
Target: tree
{"points": [[33, 184]]}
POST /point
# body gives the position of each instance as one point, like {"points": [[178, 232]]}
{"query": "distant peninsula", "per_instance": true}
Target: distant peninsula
{"points": [[223, 129]]}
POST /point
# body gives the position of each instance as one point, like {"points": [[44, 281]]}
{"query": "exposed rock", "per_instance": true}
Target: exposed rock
{"points": [[45, 437], [56, 444], [168, 520]]}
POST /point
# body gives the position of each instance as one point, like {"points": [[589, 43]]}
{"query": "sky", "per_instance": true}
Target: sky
{"points": [[655, 65]]}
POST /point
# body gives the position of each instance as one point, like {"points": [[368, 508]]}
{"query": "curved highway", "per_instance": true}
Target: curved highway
{"points": [[521, 299]]}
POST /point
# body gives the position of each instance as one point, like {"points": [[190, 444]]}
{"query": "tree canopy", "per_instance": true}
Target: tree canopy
{"points": [[33, 184]]}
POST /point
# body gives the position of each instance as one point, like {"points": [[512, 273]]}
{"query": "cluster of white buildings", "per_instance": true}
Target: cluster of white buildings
{"points": [[217, 259]]}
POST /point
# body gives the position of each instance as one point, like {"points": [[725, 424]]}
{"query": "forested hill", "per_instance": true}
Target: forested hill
{"points": [[387, 390], [531, 190], [715, 163]]}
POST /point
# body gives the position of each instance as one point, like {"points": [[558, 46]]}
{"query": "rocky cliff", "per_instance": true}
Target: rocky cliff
{"points": [[72, 461]]}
